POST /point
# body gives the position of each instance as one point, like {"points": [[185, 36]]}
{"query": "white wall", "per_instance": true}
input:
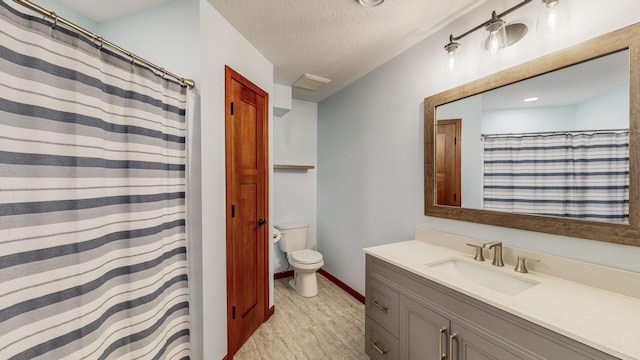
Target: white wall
{"points": [[370, 142], [294, 195], [220, 45]]}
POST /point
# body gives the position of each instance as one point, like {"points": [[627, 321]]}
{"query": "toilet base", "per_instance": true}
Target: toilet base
{"points": [[304, 283]]}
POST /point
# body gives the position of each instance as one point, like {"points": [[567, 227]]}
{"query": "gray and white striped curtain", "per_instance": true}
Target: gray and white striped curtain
{"points": [[92, 201], [577, 175]]}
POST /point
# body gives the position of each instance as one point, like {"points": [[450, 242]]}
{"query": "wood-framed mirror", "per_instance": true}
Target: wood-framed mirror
{"points": [[523, 199]]}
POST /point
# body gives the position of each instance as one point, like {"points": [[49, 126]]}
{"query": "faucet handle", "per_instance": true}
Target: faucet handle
{"points": [[521, 265], [479, 255]]}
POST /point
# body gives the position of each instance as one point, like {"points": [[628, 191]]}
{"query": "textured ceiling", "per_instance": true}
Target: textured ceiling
{"points": [[335, 39]]}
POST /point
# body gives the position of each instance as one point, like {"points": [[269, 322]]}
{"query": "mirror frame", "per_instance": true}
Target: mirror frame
{"points": [[629, 234]]}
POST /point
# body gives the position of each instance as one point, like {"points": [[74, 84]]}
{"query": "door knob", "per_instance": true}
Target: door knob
{"points": [[261, 222]]}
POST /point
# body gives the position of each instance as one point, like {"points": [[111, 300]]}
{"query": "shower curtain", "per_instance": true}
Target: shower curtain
{"points": [[92, 201], [583, 175]]}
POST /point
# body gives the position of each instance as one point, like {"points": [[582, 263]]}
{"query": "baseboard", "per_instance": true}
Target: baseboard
{"points": [[270, 312], [282, 275], [356, 295]]}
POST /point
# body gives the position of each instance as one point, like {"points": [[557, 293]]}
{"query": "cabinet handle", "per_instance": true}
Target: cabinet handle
{"points": [[452, 338], [379, 306], [443, 333], [378, 348]]}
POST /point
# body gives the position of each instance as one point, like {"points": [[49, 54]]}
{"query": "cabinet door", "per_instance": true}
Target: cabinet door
{"points": [[423, 332], [471, 343]]}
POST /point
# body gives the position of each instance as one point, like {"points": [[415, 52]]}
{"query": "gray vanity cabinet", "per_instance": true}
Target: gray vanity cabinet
{"points": [[423, 332], [410, 317]]}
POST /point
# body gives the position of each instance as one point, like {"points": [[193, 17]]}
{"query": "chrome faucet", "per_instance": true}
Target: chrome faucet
{"points": [[497, 252]]}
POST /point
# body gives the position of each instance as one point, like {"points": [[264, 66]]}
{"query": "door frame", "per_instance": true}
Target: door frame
{"points": [[230, 75]]}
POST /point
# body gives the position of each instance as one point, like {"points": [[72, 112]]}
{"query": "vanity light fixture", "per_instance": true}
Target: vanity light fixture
{"points": [[497, 34], [500, 36], [549, 15], [451, 48], [370, 3]]}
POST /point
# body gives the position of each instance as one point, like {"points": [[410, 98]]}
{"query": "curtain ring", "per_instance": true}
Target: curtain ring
{"points": [[101, 42], [133, 58], [55, 19]]}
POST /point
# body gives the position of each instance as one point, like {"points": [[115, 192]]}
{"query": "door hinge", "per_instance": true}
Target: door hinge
{"points": [[233, 313], [232, 108], [233, 211]]}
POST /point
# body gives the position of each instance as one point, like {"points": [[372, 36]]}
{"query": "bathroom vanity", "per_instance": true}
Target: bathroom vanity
{"points": [[425, 301]]}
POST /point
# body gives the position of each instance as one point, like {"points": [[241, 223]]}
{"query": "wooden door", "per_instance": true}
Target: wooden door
{"points": [[448, 151], [247, 207]]}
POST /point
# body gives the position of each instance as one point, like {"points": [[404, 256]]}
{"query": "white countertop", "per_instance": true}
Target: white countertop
{"points": [[607, 321]]}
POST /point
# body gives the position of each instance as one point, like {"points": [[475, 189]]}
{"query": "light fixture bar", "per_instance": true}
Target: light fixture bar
{"points": [[484, 24]]}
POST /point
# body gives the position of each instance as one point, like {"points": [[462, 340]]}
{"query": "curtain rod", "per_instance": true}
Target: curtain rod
{"points": [[135, 58], [554, 132]]}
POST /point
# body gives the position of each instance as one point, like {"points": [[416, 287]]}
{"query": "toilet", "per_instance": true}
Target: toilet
{"points": [[305, 262]]}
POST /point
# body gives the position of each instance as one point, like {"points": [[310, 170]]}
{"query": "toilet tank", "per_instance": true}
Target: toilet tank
{"points": [[294, 236]]}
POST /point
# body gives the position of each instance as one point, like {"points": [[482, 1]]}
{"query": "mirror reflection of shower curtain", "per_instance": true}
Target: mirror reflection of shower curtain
{"points": [[582, 175], [92, 201]]}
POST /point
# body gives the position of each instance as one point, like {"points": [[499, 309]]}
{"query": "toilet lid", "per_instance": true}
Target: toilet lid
{"points": [[306, 256]]}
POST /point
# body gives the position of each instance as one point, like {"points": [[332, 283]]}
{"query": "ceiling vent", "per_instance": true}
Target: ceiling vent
{"points": [[310, 82]]}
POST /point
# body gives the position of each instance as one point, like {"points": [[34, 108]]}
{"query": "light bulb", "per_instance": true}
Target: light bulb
{"points": [[451, 48], [494, 43], [551, 19], [452, 61], [549, 15], [497, 34], [370, 3]]}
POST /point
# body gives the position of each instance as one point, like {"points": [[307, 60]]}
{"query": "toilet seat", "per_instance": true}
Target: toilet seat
{"points": [[306, 256]]}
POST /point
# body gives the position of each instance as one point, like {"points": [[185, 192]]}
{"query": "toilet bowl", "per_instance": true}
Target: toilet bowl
{"points": [[305, 262]]}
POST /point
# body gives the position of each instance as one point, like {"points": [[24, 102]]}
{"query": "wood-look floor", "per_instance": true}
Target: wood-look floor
{"points": [[327, 326]]}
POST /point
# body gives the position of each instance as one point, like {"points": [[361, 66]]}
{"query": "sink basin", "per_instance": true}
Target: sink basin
{"points": [[483, 275]]}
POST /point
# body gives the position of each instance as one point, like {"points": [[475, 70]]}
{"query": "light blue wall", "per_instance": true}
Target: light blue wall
{"points": [[549, 118], [370, 143], [60, 9], [294, 196], [609, 111]]}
